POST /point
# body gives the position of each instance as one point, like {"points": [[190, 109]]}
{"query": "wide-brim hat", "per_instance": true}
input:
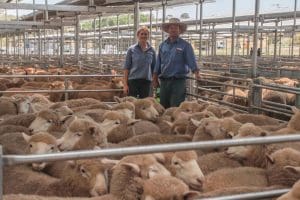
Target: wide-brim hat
{"points": [[174, 21]]}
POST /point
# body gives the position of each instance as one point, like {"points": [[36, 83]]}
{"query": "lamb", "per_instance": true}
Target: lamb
{"points": [[115, 83], [36, 197], [184, 166], [124, 183], [186, 108], [258, 120], [45, 120], [81, 102], [82, 134], [43, 143], [293, 125], [85, 178], [59, 85], [166, 187], [130, 129], [8, 107], [254, 155], [241, 97], [19, 120], [126, 108], [214, 161], [214, 128], [294, 194], [184, 125], [235, 177], [283, 167], [13, 143], [145, 110], [153, 138], [12, 129], [159, 108], [118, 127]]}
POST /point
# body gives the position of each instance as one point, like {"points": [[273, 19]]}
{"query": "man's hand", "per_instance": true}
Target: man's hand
{"points": [[155, 82], [197, 75], [126, 89]]}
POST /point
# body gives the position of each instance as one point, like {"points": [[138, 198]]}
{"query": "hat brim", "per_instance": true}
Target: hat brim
{"points": [[182, 27]]}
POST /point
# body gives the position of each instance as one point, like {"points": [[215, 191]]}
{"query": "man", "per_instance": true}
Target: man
{"points": [[174, 61]]}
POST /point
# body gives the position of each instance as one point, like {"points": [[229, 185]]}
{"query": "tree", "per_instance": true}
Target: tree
{"points": [[184, 16]]}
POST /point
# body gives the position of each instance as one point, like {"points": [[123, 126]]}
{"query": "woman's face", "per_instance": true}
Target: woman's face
{"points": [[143, 36]]}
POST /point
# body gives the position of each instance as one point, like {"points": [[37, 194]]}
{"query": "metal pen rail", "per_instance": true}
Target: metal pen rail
{"points": [[22, 159]]}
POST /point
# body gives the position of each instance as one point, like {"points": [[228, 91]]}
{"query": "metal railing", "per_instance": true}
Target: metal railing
{"points": [[22, 159], [255, 103]]}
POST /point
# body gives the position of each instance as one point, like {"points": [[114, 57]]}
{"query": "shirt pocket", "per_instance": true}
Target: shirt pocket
{"points": [[178, 54]]}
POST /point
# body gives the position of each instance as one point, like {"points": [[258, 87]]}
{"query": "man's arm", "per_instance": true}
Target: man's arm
{"points": [[156, 71], [190, 60]]}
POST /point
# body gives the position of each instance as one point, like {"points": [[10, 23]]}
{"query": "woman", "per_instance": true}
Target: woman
{"points": [[139, 65]]}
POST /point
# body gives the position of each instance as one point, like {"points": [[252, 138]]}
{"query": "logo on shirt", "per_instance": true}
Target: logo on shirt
{"points": [[179, 49]]}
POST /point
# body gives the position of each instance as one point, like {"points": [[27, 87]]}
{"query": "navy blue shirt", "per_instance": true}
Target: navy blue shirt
{"points": [[175, 59], [140, 63]]}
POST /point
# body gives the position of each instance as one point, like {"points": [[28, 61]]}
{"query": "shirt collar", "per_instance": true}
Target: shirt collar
{"points": [[138, 45], [169, 42]]}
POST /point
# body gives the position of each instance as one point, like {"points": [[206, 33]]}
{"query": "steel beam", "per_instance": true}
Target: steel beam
{"points": [[77, 38], [293, 31], [232, 35], [256, 21], [136, 19]]}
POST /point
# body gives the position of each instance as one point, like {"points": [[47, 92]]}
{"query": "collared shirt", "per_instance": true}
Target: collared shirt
{"points": [[175, 59], [140, 63]]}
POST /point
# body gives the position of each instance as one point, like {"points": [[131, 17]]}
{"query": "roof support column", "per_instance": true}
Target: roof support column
{"points": [[275, 42], [280, 38], [77, 38], [136, 18], [164, 7], [100, 36], [200, 28], [294, 28], [62, 40], [39, 44], [94, 45], [118, 35], [150, 34], [24, 44], [232, 35], [256, 20]]}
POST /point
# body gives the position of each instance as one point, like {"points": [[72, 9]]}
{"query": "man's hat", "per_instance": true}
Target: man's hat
{"points": [[174, 21]]}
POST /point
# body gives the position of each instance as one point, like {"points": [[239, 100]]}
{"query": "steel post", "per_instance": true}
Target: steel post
{"points": [[136, 18], [255, 41], [232, 35]]}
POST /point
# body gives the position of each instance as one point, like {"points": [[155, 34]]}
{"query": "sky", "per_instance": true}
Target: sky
{"points": [[220, 8]]}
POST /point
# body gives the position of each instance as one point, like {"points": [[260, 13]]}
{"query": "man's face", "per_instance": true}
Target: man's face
{"points": [[174, 30]]}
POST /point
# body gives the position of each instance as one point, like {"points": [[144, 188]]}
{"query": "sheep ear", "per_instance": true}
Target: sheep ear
{"points": [[170, 124], [295, 109], [190, 195], [109, 161], [295, 170], [132, 121], [67, 118], [195, 122], [263, 134], [134, 167], [269, 158], [93, 131], [160, 157], [26, 137], [71, 163], [230, 134]]}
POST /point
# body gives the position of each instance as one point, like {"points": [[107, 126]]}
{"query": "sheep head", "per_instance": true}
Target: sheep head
{"points": [[40, 143]]}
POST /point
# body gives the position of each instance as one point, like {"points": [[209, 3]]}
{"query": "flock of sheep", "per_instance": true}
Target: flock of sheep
{"points": [[34, 124]]}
